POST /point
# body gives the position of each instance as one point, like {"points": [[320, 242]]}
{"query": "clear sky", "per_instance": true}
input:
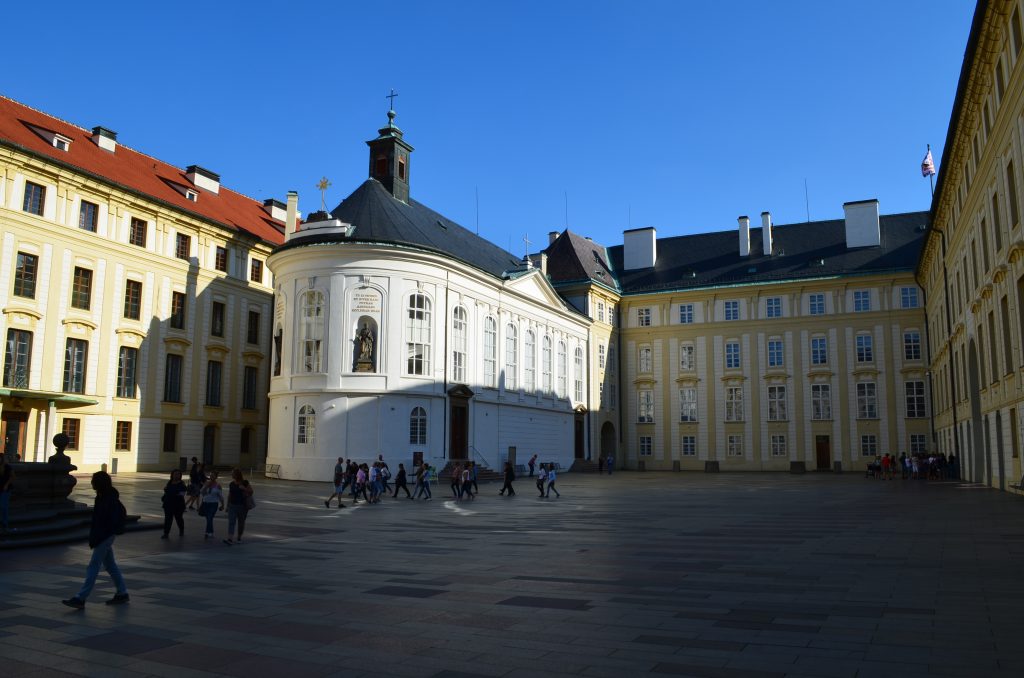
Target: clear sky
{"points": [[605, 115]]}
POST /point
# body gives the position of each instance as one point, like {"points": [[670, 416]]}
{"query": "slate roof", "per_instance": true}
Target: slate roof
{"points": [[133, 171], [712, 259], [573, 258], [378, 217]]}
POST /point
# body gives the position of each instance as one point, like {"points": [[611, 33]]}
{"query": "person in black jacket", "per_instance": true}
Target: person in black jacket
{"points": [[174, 503], [108, 518], [400, 482], [510, 475]]}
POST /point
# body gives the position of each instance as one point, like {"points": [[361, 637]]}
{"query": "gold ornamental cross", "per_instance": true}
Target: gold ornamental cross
{"points": [[323, 185]]}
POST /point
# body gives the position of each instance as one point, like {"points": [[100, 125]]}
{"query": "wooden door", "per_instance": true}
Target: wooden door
{"points": [[458, 446], [578, 438], [14, 426], [824, 453]]}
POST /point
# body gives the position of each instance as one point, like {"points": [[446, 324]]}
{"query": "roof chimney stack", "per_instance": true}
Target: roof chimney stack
{"points": [[203, 178], [862, 228], [552, 236], [766, 233], [291, 215], [639, 248], [104, 138], [276, 209], [744, 236]]}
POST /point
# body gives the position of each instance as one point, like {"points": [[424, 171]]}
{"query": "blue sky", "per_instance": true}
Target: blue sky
{"points": [[608, 115]]}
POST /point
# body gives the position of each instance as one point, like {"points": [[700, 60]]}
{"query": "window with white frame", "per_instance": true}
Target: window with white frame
{"points": [[511, 357], [918, 443], [689, 446], [643, 317], [578, 375], [306, 426], [819, 351], [312, 331], [545, 364], [645, 406], [777, 406], [600, 311], [601, 356], [646, 446], [459, 338], [732, 310], [821, 401], [912, 345], [867, 400], [734, 403], [732, 355], [861, 300], [418, 426], [865, 348], [735, 446], [775, 353], [908, 297], [773, 307], [686, 361], [816, 303], [688, 404], [685, 314], [417, 335], [869, 445], [645, 361], [779, 445], [530, 362], [562, 370], [915, 399], [490, 352]]}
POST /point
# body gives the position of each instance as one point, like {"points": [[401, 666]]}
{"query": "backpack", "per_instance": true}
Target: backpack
{"points": [[120, 518]]}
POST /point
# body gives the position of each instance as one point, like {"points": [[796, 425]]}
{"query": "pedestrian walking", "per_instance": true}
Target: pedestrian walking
{"points": [[196, 479], [212, 500], [457, 481], [600, 465], [239, 492], [541, 477], [108, 520], [400, 482], [339, 484], [423, 482], [385, 474], [362, 476], [609, 463], [552, 476], [6, 482], [472, 476], [531, 463], [509, 477], [173, 501], [467, 481]]}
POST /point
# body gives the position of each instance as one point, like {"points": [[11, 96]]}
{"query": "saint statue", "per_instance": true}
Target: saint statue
{"points": [[365, 339]]}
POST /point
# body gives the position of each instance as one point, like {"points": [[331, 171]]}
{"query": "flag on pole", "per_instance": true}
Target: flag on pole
{"points": [[927, 165]]}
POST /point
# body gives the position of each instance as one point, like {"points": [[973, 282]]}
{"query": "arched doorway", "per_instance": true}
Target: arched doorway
{"points": [[974, 393], [608, 440]]}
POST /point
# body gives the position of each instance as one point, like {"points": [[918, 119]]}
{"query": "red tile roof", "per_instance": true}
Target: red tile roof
{"points": [[135, 171]]}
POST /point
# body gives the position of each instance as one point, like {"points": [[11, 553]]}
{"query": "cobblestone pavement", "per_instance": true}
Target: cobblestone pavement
{"points": [[681, 574]]}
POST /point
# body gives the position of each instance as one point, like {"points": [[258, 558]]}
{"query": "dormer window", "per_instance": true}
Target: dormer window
{"points": [[191, 195], [55, 139], [61, 142]]}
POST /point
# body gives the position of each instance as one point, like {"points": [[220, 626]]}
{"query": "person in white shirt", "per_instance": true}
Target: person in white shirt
{"points": [[551, 481], [541, 478]]}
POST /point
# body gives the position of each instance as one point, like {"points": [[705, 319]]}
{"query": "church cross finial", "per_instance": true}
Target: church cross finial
{"points": [[526, 247], [323, 185], [391, 97]]}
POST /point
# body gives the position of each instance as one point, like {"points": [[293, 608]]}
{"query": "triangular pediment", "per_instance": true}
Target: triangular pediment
{"points": [[460, 391], [535, 285]]}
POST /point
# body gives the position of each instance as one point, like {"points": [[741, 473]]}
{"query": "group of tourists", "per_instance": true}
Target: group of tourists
{"points": [[371, 481], [914, 467], [205, 496]]}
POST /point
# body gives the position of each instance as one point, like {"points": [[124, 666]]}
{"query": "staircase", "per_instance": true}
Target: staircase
{"points": [[583, 466], [57, 526], [483, 474]]}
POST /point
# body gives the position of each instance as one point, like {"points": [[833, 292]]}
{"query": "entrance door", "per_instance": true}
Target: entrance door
{"points": [[824, 453], [209, 442], [14, 425], [578, 438], [458, 447]]}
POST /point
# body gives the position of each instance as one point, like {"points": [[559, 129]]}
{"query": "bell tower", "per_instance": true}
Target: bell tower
{"points": [[389, 159]]}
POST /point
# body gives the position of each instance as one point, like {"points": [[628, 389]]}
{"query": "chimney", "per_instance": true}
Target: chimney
{"points": [[203, 178], [275, 208], [862, 229], [744, 236], [291, 214], [104, 138], [552, 236], [766, 233], [639, 248]]}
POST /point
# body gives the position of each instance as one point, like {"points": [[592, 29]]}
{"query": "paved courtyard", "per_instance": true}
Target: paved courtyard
{"points": [[680, 574]]}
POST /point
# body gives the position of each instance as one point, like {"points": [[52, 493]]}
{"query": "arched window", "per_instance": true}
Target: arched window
{"points": [[545, 365], [306, 426], [417, 335], [490, 352], [459, 345], [530, 362], [578, 375], [418, 426], [312, 331], [562, 370], [511, 357]]}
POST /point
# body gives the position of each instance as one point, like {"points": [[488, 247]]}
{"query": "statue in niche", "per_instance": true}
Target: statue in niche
{"points": [[364, 342]]}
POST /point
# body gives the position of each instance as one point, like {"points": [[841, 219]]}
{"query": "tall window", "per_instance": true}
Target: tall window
{"points": [[172, 378], [732, 310], [646, 446], [312, 331], [306, 426], [35, 198], [869, 445], [417, 332], [777, 407], [646, 363], [220, 259], [545, 367], [278, 342], [76, 352], [81, 288], [611, 359], [123, 436], [688, 404], [511, 357], [530, 360], [643, 317], [256, 270], [861, 300], [735, 446], [491, 353], [252, 333], [819, 351], [912, 346], [821, 401], [908, 297], [25, 269], [865, 349], [645, 406], [72, 428], [732, 355], [915, 398], [578, 375], [459, 345], [88, 214], [17, 358], [773, 307], [867, 400], [997, 227], [775, 355], [685, 314], [249, 380], [600, 311], [132, 299], [182, 246], [689, 446], [918, 443], [601, 356], [217, 319], [816, 303], [686, 361], [178, 310], [778, 445], [734, 403], [137, 233], [418, 426], [1011, 192], [214, 372], [127, 360]]}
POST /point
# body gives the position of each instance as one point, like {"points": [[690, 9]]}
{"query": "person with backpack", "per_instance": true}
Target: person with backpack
{"points": [[108, 521], [196, 478], [551, 481], [173, 501], [509, 477]]}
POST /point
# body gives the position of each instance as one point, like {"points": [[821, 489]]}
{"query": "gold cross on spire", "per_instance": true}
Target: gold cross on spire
{"points": [[322, 186]]}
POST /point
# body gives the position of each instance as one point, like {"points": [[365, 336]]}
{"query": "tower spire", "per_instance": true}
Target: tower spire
{"points": [[389, 157]]}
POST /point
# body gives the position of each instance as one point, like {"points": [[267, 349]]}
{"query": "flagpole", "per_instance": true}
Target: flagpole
{"points": [[931, 177]]}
